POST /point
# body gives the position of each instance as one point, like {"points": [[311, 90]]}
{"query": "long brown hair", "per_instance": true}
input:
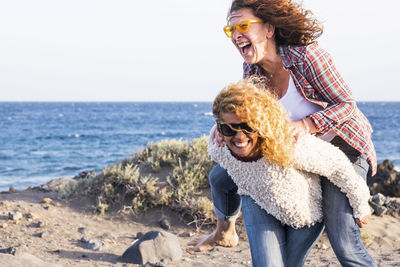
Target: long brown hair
{"points": [[293, 24]]}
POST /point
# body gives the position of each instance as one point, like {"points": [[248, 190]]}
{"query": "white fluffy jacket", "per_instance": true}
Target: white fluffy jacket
{"points": [[293, 195]]}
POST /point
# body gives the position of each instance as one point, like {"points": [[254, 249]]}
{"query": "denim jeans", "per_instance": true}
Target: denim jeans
{"points": [[272, 243], [342, 231]]}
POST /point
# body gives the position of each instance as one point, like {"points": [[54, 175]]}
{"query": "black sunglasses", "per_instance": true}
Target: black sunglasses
{"points": [[230, 129]]}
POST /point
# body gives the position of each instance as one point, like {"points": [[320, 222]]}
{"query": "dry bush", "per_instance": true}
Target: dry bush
{"points": [[121, 186]]}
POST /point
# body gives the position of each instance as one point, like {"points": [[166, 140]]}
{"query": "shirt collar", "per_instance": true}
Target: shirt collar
{"points": [[287, 63]]}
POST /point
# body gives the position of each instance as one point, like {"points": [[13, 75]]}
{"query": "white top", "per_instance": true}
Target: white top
{"points": [[298, 107], [294, 196]]}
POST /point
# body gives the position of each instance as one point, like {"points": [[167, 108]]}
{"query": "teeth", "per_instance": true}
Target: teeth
{"points": [[241, 144], [242, 45]]}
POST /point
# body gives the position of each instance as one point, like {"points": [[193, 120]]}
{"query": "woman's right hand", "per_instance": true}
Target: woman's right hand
{"points": [[215, 137], [361, 222]]}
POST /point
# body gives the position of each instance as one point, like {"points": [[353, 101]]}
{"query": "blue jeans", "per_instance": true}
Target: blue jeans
{"points": [[342, 231], [272, 243]]}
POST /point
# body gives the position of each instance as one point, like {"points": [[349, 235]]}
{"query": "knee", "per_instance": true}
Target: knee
{"points": [[219, 177]]}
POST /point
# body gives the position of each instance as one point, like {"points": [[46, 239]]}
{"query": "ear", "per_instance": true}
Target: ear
{"points": [[270, 30]]}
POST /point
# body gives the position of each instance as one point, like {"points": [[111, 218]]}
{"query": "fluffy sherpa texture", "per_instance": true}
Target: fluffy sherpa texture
{"points": [[293, 195]]}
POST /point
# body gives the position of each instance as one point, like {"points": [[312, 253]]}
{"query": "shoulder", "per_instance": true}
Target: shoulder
{"points": [[296, 55]]}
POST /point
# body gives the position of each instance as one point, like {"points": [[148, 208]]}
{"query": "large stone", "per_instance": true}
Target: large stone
{"points": [[154, 247], [386, 181]]}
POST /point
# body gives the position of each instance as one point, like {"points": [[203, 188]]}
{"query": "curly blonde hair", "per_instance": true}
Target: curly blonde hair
{"points": [[263, 113], [293, 24]]}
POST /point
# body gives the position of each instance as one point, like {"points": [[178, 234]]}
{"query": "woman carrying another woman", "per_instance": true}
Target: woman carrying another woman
{"points": [[277, 40], [278, 181]]}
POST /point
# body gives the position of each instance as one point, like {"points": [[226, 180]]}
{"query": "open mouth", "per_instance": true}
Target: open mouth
{"points": [[244, 48], [241, 144]]}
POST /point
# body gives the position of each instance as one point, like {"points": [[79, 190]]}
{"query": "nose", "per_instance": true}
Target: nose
{"points": [[240, 135], [236, 35]]}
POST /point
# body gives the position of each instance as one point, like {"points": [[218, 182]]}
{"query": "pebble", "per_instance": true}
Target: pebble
{"points": [[57, 204], [95, 244], [187, 234], [46, 200], [138, 235], [30, 215], [14, 215], [82, 230], [43, 234], [165, 224], [39, 224]]}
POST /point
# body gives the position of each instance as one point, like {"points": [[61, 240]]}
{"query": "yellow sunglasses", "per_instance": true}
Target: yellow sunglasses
{"points": [[242, 27]]}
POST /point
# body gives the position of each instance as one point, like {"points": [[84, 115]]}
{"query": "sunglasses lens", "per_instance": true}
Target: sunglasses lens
{"points": [[232, 129], [243, 27], [229, 30], [246, 127], [226, 130]]}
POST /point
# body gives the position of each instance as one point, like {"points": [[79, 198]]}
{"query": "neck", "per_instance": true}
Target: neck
{"points": [[272, 64]]}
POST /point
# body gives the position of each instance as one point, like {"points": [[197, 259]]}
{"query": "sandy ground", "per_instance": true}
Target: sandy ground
{"points": [[50, 234]]}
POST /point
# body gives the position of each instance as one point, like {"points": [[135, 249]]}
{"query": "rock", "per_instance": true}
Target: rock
{"points": [[386, 181], [44, 234], [39, 224], [55, 185], [14, 215], [12, 189], [165, 224], [154, 247], [378, 209], [138, 235], [84, 175], [95, 244], [385, 205], [379, 199], [187, 234], [16, 250], [46, 200], [30, 215], [82, 230]]}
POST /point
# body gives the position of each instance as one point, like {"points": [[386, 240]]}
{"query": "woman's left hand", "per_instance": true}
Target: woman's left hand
{"points": [[302, 127], [298, 129], [361, 222]]}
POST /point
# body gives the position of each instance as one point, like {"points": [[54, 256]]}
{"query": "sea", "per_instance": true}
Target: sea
{"points": [[40, 141]]}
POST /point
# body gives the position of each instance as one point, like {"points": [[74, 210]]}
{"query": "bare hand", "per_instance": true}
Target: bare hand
{"points": [[298, 129], [215, 137], [361, 222]]}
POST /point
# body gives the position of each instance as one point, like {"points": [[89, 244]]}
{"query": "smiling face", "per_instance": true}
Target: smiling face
{"points": [[242, 144], [257, 43]]}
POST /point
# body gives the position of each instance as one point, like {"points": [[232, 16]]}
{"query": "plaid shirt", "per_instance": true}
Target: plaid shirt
{"points": [[318, 81]]}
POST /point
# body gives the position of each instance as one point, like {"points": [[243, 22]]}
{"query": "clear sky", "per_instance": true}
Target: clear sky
{"points": [[172, 50]]}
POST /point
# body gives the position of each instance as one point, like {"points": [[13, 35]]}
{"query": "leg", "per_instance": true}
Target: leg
{"points": [[299, 243], [224, 194], [267, 235], [342, 231], [226, 206]]}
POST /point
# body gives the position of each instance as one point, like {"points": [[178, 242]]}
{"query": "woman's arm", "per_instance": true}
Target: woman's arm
{"points": [[322, 158], [323, 76]]}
